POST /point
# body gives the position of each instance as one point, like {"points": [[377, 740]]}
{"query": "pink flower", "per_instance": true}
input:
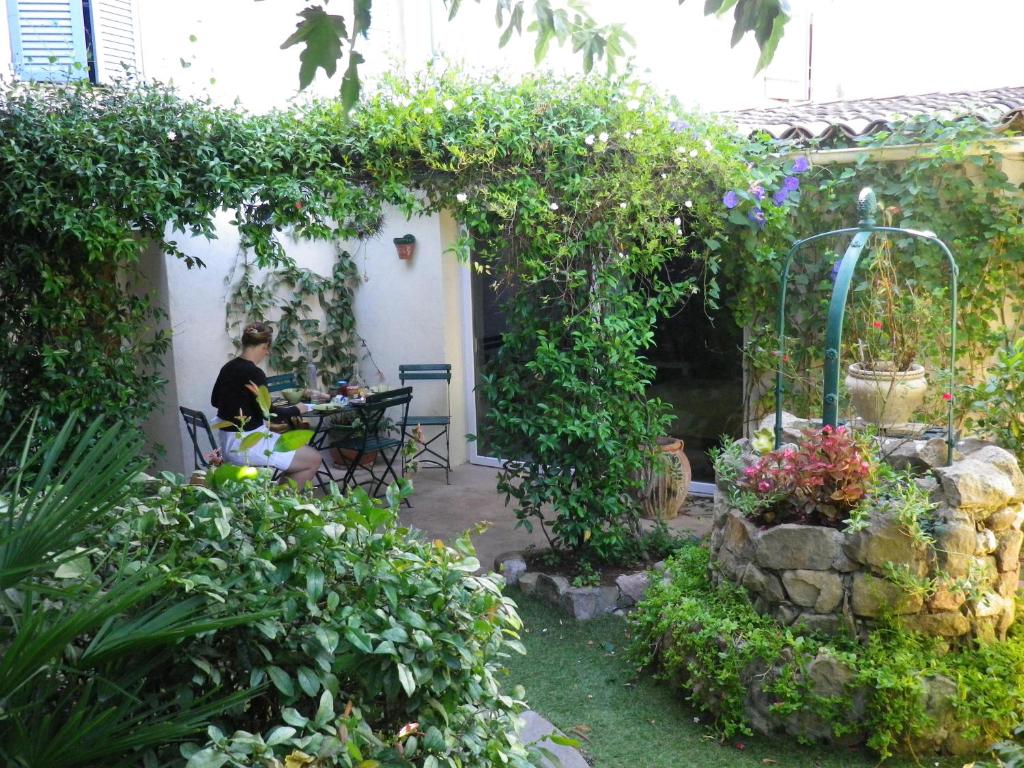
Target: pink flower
{"points": [[764, 486], [947, 396], [877, 325], [750, 471]]}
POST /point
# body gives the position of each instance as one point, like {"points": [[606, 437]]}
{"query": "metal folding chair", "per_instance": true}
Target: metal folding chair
{"points": [[194, 422], [429, 455], [372, 435], [282, 381]]}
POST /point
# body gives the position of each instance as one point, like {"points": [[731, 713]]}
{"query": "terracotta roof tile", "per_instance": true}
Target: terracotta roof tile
{"points": [[1002, 108]]}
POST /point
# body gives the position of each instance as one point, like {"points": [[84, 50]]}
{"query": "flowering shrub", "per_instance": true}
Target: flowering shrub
{"points": [[820, 481], [750, 207]]}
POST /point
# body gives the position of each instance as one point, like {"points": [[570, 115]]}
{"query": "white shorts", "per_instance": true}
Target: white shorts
{"points": [[257, 456]]}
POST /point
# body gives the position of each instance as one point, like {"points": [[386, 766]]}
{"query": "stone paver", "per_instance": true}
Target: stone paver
{"points": [[446, 511], [537, 729]]}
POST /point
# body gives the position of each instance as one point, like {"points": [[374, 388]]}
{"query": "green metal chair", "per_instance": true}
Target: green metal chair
{"points": [[282, 381], [194, 422], [372, 434], [429, 455]]}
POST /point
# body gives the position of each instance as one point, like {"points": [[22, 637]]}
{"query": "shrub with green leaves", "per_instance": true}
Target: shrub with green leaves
{"points": [[708, 640], [260, 624], [371, 643], [997, 407]]}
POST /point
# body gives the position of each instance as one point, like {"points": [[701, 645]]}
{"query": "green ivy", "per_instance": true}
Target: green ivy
{"points": [[947, 186], [706, 639]]}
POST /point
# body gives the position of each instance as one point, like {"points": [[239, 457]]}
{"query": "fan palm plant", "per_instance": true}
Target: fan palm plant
{"points": [[86, 636]]}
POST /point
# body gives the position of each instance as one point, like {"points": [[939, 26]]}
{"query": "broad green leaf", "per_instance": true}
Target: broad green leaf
{"points": [[321, 34], [350, 85], [207, 758], [75, 568], [250, 441], [281, 680], [280, 735], [293, 440], [406, 678], [264, 400], [308, 681]]}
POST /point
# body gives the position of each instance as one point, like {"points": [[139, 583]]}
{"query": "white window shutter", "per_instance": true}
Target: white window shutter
{"points": [[115, 35], [48, 39]]}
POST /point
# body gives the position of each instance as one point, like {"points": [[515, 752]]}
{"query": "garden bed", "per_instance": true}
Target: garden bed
{"points": [[846, 599]]}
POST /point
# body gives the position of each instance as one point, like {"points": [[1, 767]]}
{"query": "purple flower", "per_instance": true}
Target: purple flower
{"points": [[835, 270], [791, 184], [801, 164], [679, 126], [756, 215], [780, 197], [756, 191], [730, 199]]}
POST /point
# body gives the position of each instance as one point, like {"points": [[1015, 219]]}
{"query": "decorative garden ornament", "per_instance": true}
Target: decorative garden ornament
{"points": [[666, 480]]}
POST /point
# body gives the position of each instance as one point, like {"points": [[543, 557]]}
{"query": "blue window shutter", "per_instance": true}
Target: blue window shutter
{"points": [[48, 39], [115, 32]]}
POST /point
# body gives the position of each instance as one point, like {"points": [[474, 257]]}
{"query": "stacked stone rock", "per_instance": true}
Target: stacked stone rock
{"points": [[828, 580]]}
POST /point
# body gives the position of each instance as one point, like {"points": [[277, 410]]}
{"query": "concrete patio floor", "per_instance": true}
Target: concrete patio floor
{"points": [[446, 511]]}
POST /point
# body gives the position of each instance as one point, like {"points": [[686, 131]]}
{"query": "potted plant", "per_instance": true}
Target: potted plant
{"points": [[348, 425], [886, 385]]}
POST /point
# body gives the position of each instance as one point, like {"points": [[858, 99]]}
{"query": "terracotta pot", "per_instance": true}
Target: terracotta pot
{"points": [[666, 486], [343, 457], [884, 396], [405, 250]]}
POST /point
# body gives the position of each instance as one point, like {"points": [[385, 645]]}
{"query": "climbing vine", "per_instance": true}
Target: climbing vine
{"points": [[312, 315], [955, 184]]}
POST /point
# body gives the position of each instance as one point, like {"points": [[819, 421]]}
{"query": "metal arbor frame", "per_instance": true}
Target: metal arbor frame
{"points": [[837, 308]]}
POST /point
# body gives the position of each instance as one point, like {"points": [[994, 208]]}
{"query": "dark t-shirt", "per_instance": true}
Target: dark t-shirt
{"points": [[230, 397]]}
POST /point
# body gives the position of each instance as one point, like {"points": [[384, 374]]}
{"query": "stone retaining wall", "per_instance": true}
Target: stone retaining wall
{"points": [[961, 587]]}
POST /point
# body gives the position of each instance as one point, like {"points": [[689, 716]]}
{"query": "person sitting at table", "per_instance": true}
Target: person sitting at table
{"points": [[234, 397]]}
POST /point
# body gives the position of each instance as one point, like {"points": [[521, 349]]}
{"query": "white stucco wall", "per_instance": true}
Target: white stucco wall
{"points": [[407, 312]]}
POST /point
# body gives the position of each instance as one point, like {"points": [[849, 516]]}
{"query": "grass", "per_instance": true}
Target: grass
{"points": [[576, 675]]}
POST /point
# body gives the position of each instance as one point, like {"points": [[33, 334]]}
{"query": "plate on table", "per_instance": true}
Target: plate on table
{"points": [[326, 407]]}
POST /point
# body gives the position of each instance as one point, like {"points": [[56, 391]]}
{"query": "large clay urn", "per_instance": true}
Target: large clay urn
{"points": [[666, 481], [884, 396]]}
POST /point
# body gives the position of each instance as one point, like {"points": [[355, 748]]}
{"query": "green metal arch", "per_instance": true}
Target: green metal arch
{"points": [[837, 308]]}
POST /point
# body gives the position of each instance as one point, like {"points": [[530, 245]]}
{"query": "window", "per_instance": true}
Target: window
{"points": [[61, 40]]}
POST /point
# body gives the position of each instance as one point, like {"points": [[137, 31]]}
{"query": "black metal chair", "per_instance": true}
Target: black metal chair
{"points": [[194, 422], [282, 381], [371, 433], [430, 457]]}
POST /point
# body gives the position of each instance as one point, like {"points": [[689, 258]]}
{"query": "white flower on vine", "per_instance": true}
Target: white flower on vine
{"points": [[428, 110], [589, 141], [664, 175], [553, 206], [693, 153], [688, 203], [172, 135], [622, 205], [708, 145], [677, 221], [680, 149], [638, 131], [449, 104], [402, 101], [633, 104], [462, 197], [602, 136]]}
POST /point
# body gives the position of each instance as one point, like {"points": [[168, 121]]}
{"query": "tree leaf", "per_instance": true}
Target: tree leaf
{"points": [[350, 85], [322, 35], [308, 681], [250, 441]]}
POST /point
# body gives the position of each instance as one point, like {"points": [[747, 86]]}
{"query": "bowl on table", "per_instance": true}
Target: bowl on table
{"points": [[292, 396]]}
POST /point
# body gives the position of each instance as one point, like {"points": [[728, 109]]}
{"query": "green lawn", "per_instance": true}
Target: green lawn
{"points": [[577, 676]]}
